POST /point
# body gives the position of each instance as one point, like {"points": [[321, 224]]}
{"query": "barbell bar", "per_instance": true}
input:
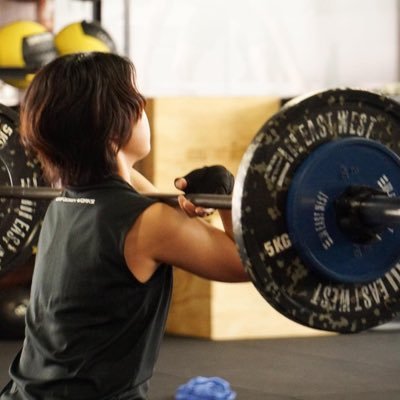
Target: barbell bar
{"points": [[217, 201], [314, 208], [372, 209]]}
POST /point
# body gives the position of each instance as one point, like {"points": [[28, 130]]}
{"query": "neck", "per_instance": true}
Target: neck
{"points": [[124, 167]]}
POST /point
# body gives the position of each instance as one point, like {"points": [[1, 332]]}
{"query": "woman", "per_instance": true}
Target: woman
{"points": [[102, 281]]}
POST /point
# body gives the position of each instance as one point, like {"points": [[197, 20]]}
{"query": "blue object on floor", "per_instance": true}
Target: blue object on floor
{"points": [[202, 388]]}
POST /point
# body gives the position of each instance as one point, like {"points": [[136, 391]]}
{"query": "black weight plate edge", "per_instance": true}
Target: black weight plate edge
{"points": [[40, 206], [20, 257], [238, 227], [368, 97]]}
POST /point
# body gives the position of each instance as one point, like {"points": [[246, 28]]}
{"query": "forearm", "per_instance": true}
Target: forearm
{"points": [[226, 218]]}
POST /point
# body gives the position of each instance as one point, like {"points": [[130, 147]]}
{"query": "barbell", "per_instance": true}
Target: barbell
{"points": [[315, 208]]}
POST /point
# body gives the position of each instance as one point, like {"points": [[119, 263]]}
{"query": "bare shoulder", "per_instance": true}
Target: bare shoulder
{"points": [[163, 234]]}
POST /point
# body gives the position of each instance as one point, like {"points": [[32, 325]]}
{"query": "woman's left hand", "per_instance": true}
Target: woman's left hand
{"points": [[187, 206]]}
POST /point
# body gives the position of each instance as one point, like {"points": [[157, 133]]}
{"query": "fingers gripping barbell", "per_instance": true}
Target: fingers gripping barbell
{"points": [[315, 208]]}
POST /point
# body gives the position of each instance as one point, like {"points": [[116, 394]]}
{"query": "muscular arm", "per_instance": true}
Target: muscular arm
{"points": [[226, 218], [165, 234]]}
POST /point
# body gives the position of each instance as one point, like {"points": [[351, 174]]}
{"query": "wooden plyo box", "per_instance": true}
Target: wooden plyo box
{"points": [[188, 133]]}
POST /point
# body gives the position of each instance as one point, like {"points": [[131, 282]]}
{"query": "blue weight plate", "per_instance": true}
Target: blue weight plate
{"points": [[318, 182], [20, 218], [279, 271]]}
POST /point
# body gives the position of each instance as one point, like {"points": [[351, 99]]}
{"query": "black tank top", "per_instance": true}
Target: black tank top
{"points": [[92, 330]]}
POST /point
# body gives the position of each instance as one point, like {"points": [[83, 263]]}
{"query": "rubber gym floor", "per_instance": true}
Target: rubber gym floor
{"points": [[364, 366]]}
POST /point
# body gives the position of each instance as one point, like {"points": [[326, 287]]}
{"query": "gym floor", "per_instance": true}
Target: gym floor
{"points": [[365, 366]]}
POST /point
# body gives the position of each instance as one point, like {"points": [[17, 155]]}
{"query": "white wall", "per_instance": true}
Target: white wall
{"points": [[69, 11], [256, 47], [248, 47]]}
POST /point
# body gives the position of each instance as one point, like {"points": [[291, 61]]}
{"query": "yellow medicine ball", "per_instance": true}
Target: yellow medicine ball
{"points": [[84, 36], [25, 44]]}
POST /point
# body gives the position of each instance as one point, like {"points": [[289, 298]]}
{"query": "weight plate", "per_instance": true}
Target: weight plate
{"points": [[259, 209], [321, 179], [20, 218]]}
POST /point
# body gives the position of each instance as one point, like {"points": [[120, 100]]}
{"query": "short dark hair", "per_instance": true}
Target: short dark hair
{"points": [[77, 113]]}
